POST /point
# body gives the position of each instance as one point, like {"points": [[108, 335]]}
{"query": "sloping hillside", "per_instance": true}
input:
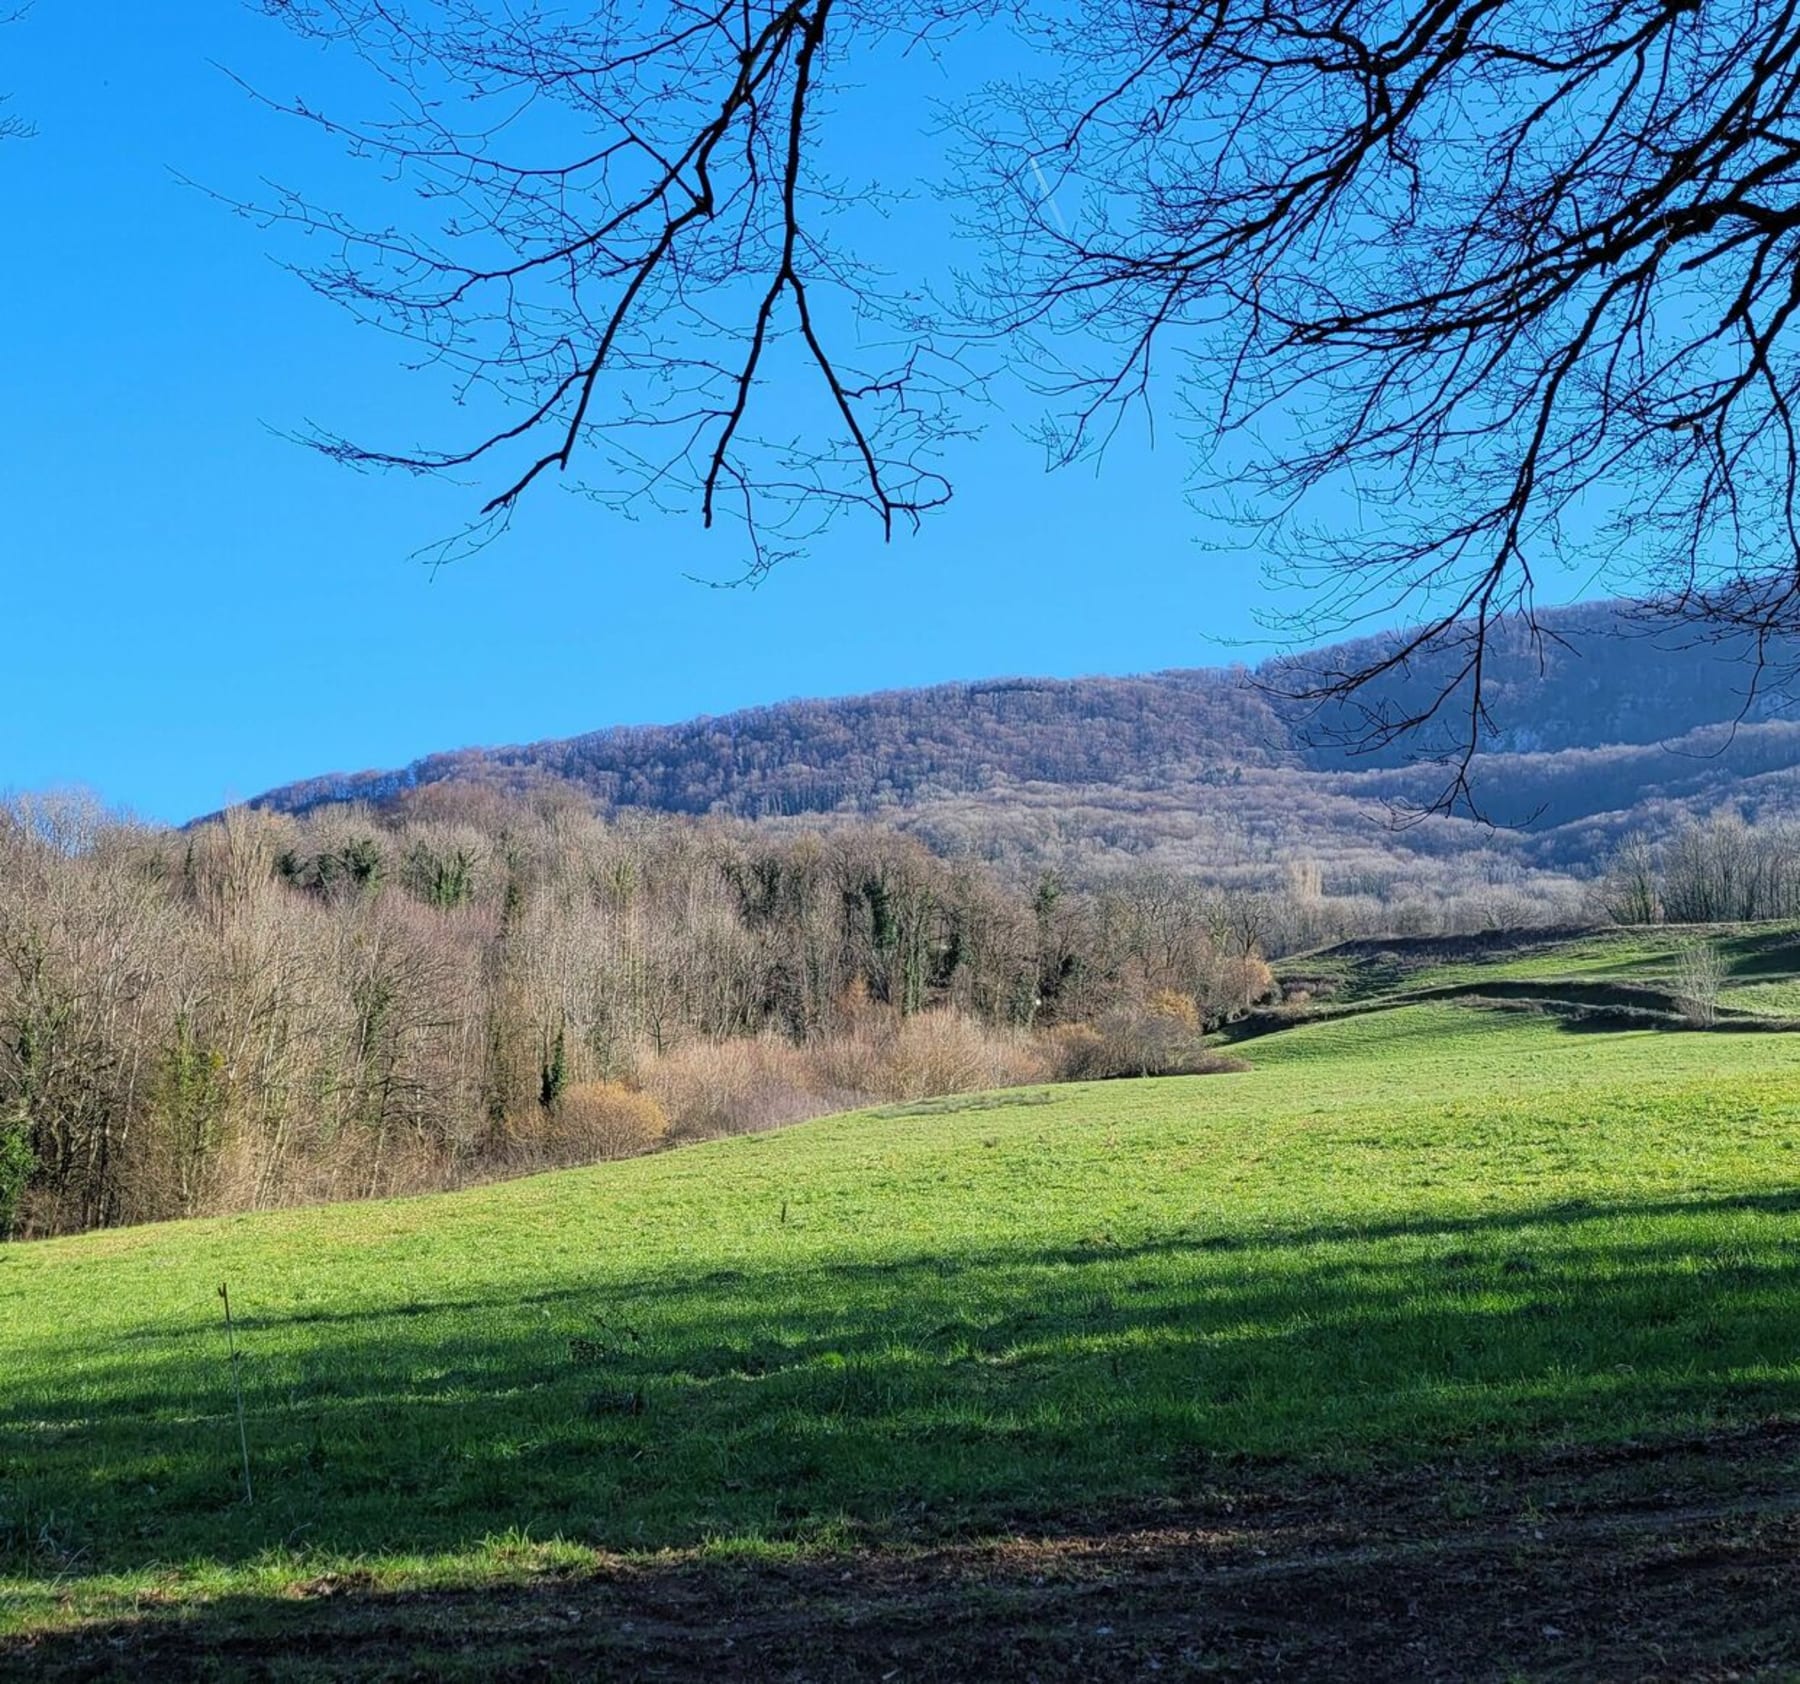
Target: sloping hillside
{"points": [[1474, 1326], [1596, 978], [1596, 730], [895, 746]]}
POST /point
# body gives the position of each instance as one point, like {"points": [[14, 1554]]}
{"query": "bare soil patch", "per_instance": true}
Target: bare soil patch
{"points": [[1675, 1561]]}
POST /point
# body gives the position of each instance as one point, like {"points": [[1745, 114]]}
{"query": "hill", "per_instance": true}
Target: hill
{"points": [[1598, 731], [1464, 1329]]}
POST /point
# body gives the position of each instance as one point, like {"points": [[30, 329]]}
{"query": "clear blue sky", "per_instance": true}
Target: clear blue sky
{"points": [[196, 608]]}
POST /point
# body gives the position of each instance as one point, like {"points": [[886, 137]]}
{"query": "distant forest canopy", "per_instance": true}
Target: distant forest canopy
{"points": [[1598, 732]]}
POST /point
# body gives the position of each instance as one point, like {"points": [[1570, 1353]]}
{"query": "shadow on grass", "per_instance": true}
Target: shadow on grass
{"points": [[1352, 1582], [1577, 1007], [1767, 954], [895, 1398]]}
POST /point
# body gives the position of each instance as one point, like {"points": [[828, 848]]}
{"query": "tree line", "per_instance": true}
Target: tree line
{"points": [[262, 1010], [265, 1009], [1722, 869]]}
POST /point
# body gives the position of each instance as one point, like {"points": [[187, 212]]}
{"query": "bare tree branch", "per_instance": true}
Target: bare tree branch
{"points": [[13, 127], [1470, 289], [631, 300], [1457, 292]]}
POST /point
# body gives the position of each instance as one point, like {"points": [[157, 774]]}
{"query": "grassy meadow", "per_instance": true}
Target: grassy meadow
{"points": [[1409, 1234]]}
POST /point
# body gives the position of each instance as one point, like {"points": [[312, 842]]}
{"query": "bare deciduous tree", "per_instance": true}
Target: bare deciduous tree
{"points": [[1628, 890], [628, 295], [1699, 978], [1460, 290]]}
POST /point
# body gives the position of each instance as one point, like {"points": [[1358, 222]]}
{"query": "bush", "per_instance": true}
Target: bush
{"points": [[731, 1087], [1245, 982], [1137, 1041], [945, 1052], [711, 1088], [589, 1122], [1167, 1006], [1699, 975], [1080, 1053]]}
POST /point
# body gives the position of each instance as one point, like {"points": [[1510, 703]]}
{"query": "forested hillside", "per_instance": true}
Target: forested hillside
{"points": [[894, 747], [1596, 731]]}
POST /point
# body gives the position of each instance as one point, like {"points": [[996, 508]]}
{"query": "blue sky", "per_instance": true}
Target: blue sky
{"points": [[197, 608]]}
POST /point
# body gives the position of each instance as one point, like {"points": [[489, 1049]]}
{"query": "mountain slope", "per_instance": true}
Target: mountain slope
{"points": [[818, 756], [1596, 729]]}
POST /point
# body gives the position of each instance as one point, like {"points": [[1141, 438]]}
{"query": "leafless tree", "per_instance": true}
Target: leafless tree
{"points": [[1699, 979], [1456, 290], [1629, 891]]}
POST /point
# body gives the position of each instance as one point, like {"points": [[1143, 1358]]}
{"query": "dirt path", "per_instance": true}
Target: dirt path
{"points": [[1677, 1563]]}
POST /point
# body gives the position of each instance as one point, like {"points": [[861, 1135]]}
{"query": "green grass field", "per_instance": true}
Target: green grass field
{"points": [[1402, 1238]]}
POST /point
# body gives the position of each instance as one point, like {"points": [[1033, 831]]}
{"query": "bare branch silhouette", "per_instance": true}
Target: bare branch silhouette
{"points": [[629, 300], [1469, 289], [13, 126], [1455, 292]]}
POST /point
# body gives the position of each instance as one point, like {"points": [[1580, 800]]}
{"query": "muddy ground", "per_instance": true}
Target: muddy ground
{"points": [[1675, 1562]]}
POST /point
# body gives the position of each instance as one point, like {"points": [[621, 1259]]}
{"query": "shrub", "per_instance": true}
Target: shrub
{"points": [[1136, 1041], [1699, 975], [1178, 1010], [1079, 1050], [732, 1087], [590, 1121], [711, 1088], [946, 1052], [1245, 981]]}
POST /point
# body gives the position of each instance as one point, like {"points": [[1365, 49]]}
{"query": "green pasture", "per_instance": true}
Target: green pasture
{"points": [[1425, 1233]]}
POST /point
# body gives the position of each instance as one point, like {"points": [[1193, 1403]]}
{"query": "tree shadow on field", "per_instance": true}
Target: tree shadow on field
{"points": [[914, 1397], [1762, 954], [1371, 1587]]}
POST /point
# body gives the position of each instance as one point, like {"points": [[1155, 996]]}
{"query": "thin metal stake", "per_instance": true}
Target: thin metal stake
{"points": [[237, 1385]]}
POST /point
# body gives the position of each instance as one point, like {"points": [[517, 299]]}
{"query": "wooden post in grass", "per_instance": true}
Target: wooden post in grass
{"points": [[237, 1385]]}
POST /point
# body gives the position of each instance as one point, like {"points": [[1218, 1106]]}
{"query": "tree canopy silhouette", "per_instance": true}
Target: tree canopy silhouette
{"points": [[1451, 291]]}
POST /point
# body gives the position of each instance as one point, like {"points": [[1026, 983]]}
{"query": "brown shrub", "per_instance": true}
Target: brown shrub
{"points": [[1177, 1009], [1136, 1041], [1079, 1051], [1245, 981], [891, 1057], [857, 1059], [589, 1122], [609, 1120], [732, 1087], [711, 1088], [946, 1052]]}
